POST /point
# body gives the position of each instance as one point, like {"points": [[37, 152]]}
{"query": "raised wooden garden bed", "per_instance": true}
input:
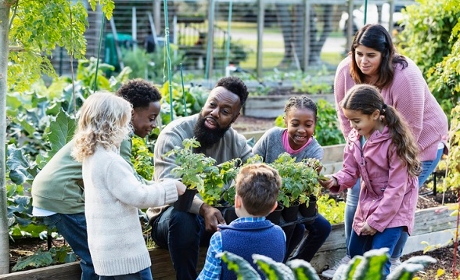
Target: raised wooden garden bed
{"points": [[272, 106], [162, 269], [433, 225]]}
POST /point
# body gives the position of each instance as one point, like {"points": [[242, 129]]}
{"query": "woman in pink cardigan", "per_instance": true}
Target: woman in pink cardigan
{"points": [[373, 60], [380, 149]]}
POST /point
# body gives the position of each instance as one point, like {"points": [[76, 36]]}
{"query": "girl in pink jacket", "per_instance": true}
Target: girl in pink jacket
{"points": [[380, 149]]}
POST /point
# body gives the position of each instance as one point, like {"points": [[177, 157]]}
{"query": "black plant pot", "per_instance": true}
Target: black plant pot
{"points": [[290, 213], [229, 214], [184, 201], [275, 216], [310, 210]]}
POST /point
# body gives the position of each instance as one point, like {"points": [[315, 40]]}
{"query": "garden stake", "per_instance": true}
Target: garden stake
{"points": [[229, 23], [99, 52], [168, 58], [183, 91]]}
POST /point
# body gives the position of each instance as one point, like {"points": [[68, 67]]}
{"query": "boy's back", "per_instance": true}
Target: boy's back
{"points": [[247, 236]]}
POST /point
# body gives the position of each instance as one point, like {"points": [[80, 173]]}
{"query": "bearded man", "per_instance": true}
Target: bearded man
{"points": [[180, 232]]}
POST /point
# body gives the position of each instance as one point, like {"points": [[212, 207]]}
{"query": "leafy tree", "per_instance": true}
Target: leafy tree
{"points": [[29, 31], [430, 31]]}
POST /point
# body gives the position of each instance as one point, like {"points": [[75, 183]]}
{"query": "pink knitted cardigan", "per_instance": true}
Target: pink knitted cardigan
{"points": [[410, 95]]}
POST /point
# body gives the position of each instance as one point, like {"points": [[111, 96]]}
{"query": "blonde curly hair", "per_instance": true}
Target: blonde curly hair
{"points": [[104, 120]]}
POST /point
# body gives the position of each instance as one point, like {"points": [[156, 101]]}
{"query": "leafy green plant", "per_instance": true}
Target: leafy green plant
{"points": [[299, 179], [142, 158], [192, 167], [150, 66], [331, 209], [327, 130], [41, 258], [368, 266], [199, 171], [452, 179], [195, 98], [430, 31]]}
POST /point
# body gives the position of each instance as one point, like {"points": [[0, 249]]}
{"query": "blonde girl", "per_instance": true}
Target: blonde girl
{"points": [[112, 192]]}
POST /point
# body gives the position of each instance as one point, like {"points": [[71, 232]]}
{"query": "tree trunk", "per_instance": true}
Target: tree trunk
{"points": [[290, 18], [4, 240]]}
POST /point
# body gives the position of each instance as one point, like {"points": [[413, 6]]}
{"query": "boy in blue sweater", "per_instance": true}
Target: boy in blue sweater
{"points": [[257, 187]]}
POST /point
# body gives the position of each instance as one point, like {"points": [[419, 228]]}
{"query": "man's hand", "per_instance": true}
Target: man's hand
{"points": [[212, 217], [368, 230]]}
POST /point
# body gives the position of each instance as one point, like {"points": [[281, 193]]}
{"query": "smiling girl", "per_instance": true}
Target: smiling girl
{"points": [[382, 151], [297, 140], [373, 60]]}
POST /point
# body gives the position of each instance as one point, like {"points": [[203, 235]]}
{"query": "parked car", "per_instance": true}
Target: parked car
{"points": [[372, 17]]}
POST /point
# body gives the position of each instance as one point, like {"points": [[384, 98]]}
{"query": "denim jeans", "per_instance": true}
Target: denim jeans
{"points": [[73, 228], [145, 274], [181, 233], [353, 198], [318, 231], [359, 244]]}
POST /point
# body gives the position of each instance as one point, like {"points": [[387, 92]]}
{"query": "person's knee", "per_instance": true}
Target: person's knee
{"points": [[185, 220], [324, 228], [184, 228]]}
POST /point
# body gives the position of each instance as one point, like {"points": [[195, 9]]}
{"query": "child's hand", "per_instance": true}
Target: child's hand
{"points": [[368, 230], [328, 182], [180, 188]]}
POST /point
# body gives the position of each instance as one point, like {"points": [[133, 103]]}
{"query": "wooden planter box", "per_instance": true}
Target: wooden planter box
{"points": [[272, 106], [162, 269], [432, 225]]}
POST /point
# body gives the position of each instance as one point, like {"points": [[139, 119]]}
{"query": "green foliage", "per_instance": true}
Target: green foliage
{"points": [[40, 122], [142, 158], [445, 76], [452, 179], [149, 66], [331, 209], [199, 171], [237, 264], [41, 258], [310, 84], [327, 130], [192, 167], [368, 266], [271, 269], [430, 31], [21, 222], [195, 98], [37, 27], [299, 179]]}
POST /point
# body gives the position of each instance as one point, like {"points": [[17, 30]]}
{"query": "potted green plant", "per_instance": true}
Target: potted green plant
{"points": [[299, 183], [194, 169], [201, 174]]}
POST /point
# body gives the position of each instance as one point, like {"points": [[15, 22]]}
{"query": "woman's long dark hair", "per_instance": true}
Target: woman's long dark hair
{"points": [[367, 99], [376, 37]]}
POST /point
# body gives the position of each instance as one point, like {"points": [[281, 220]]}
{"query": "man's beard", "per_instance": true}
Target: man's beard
{"points": [[208, 137]]}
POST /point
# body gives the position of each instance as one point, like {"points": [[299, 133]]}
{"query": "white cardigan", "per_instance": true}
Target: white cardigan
{"points": [[113, 196]]}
